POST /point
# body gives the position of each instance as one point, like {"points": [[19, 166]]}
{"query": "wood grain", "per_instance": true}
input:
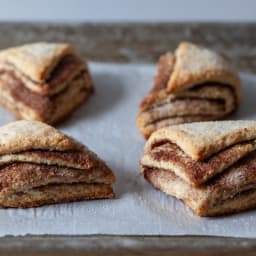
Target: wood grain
{"points": [[139, 42], [126, 245]]}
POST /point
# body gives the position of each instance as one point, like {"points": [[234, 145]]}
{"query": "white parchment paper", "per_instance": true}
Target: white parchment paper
{"points": [[106, 123]]}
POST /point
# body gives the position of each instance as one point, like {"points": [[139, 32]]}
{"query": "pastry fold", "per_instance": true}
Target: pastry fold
{"points": [[43, 81], [211, 166], [40, 165], [193, 84]]}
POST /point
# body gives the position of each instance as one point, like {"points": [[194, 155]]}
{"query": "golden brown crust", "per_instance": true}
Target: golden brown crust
{"points": [[200, 104], [81, 160], [203, 82], [26, 135], [164, 69], [211, 166], [152, 127], [35, 156], [200, 140], [25, 176], [169, 156], [158, 93], [69, 100], [196, 65], [231, 192], [52, 194], [36, 60], [49, 109], [63, 74], [43, 81]]}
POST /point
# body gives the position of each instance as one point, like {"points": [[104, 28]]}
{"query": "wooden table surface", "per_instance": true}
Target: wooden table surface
{"points": [[134, 43]]}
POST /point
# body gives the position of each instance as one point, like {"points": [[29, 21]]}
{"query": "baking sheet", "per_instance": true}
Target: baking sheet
{"points": [[106, 123]]}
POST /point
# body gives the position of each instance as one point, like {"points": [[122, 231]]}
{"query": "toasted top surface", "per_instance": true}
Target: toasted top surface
{"points": [[196, 65], [36, 60], [26, 135], [200, 140]]}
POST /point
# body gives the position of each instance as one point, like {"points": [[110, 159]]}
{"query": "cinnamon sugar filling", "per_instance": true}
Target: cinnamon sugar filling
{"points": [[34, 100], [198, 172], [69, 65]]}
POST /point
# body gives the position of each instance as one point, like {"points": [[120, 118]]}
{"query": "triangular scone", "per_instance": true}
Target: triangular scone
{"points": [[211, 166], [40, 165], [36, 60], [196, 65], [43, 81], [194, 84]]}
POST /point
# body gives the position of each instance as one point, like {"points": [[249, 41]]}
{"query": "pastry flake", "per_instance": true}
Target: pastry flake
{"points": [[43, 81], [40, 165], [193, 84], [211, 166]]}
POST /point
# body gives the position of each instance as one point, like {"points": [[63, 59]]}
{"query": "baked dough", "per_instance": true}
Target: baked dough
{"points": [[43, 81], [211, 166], [40, 165], [193, 84]]}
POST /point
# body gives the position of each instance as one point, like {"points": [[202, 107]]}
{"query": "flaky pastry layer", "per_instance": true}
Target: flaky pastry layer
{"points": [[194, 84]]}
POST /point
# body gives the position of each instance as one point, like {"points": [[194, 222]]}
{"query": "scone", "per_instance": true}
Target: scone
{"points": [[193, 84], [40, 165], [211, 166], [43, 81]]}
